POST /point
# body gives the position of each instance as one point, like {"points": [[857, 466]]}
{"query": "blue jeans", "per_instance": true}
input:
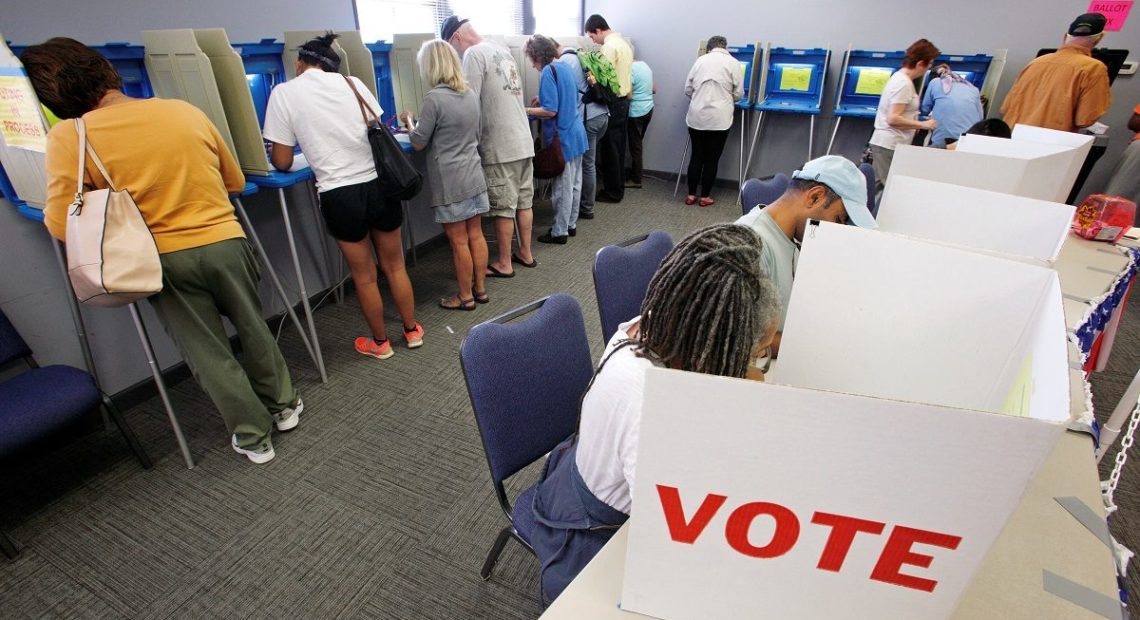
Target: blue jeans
{"points": [[595, 127], [565, 194]]}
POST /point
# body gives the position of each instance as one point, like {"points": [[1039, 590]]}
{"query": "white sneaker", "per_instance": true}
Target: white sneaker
{"points": [[258, 454], [288, 418]]}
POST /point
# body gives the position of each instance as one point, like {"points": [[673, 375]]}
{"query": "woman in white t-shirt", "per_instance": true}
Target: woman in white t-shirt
{"points": [[318, 109], [897, 117], [709, 309]]}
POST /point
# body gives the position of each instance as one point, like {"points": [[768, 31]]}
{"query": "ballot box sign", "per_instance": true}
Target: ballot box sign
{"points": [[861, 481], [767, 501], [987, 221], [21, 123], [1116, 11]]}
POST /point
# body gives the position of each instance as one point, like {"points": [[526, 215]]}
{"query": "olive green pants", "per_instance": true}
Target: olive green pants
{"points": [[200, 286]]}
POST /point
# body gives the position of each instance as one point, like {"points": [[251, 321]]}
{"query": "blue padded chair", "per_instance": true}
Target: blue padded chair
{"points": [[621, 277], [869, 171], [760, 192], [41, 401], [525, 379]]}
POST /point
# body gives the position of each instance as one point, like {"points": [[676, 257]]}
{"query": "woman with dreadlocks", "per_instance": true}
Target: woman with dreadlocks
{"points": [[318, 109], [709, 309]]}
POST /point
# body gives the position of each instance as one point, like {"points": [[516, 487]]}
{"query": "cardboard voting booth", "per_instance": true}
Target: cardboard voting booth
{"points": [[355, 58], [1029, 169], [23, 134], [202, 68], [1081, 144], [407, 83], [974, 218], [871, 475]]}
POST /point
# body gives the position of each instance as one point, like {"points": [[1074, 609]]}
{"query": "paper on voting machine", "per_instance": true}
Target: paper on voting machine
{"points": [[872, 474], [1005, 224], [1030, 169]]}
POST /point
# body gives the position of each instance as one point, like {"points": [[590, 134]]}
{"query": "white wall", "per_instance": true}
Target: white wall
{"points": [[666, 33], [98, 21]]}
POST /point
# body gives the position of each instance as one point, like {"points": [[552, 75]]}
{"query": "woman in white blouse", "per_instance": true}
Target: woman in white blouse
{"points": [[714, 85]]}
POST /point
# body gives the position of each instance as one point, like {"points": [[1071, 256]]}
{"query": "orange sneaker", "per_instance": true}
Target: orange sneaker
{"points": [[415, 337], [368, 346]]}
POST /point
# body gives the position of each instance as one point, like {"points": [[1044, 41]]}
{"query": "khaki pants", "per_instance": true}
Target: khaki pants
{"points": [[199, 287]]}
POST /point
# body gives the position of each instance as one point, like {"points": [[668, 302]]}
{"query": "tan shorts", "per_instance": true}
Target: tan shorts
{"points": [[510, 187]]}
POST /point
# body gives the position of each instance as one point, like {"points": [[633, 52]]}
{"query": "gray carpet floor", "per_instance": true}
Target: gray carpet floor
{"points": [[378, 506]]}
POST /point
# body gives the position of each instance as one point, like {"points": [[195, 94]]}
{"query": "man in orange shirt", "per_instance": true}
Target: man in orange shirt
{"points": [[1066, 90]]}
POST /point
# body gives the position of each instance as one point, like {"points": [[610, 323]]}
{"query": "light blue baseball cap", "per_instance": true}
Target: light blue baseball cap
{"points": [[846, 180]]}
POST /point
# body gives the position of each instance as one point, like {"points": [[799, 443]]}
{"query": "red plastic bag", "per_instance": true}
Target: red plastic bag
{"points": [[1104, 218]]}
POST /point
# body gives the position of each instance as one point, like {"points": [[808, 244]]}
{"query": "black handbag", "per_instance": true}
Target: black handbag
{"points": [[549, 161], [399, 180]]}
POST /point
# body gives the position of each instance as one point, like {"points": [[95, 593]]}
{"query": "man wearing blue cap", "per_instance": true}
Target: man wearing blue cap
{"points": [[829, 189]]}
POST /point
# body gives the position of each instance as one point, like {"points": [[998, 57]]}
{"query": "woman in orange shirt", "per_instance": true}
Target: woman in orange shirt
{"points": [[174, 163]]}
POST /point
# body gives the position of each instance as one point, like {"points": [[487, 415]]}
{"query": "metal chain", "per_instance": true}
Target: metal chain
{"points": [[1108, 487]]}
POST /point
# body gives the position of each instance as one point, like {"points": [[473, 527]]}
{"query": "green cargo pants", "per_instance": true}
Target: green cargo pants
{"points": [[200, 286]]}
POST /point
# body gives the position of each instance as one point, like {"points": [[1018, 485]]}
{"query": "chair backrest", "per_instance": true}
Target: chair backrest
{"points": [[869, 171], [621, 277], [525, 379], [761, 192], [12, 346]]}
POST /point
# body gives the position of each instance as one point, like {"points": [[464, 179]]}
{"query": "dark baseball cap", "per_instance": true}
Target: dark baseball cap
{"points": [[1088, 25], [450, 26]]}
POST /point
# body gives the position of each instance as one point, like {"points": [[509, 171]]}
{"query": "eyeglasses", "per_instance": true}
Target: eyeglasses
{"points": [[764, 362]]}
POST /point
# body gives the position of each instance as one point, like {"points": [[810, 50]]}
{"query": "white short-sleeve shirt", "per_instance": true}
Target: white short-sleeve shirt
{"points": [[611, 423], [319, 111], [899, 89]]}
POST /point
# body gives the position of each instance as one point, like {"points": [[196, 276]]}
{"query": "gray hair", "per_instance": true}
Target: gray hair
{"points": [[542, 50], [715, 42], [709, 303], [1088, 42]]}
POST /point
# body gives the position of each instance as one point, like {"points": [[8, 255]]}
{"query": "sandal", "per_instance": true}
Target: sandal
{"points": [[690, 200], [480, 297], [707, 202], [456, 303], [495, 273], [531, 265]]}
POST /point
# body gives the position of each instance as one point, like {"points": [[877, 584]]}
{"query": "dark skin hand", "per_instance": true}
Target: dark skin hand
{"points": [[1134, 123]]}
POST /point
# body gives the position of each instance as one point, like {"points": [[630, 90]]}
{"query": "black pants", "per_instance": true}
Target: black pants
{"points": [[637, 127], [611, 153], [707, 147]]}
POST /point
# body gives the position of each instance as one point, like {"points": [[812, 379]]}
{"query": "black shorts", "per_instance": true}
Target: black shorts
{"points": [[351, 211]]}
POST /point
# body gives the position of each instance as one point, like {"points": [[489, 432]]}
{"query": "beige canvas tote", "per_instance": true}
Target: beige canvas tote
{"points": [[112, 258]]}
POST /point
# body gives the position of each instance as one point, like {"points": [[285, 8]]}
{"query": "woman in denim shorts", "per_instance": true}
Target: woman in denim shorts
{"points": [[449, 129]]}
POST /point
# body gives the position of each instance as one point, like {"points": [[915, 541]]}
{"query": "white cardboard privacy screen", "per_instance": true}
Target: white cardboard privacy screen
{"points": [[1080, 143], [885, 511], [998, 173], [890, 317], [975, 218], [1047, 165]]}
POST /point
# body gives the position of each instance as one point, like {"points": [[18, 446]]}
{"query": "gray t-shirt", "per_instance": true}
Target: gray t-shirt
{"points": [[778, 256], [449, 127], [494, 77]]}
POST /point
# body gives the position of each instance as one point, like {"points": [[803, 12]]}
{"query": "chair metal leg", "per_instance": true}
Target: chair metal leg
{"points": [[10, 551], [496, 551], [128, 433]]}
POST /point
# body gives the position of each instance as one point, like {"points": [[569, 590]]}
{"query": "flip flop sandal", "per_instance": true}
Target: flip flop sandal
{"points": [[531, 265], [455, 303], [707, 202], [495, 273], [480, 297]]}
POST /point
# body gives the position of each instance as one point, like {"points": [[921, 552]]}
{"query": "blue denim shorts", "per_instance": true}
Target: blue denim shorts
{"points": [[462, 210]]}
